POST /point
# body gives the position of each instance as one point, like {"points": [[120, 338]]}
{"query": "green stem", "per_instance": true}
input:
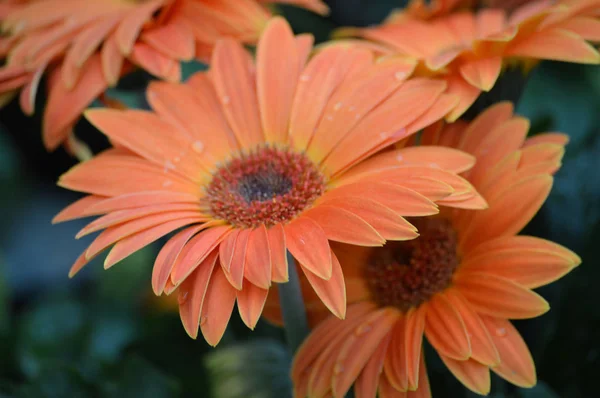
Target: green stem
{"points": [[292, 308]]}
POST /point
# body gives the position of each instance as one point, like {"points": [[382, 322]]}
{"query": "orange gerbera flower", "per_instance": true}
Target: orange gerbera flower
{"points": [[458, 283], [88, 45], [254, 159], [469, 49]]}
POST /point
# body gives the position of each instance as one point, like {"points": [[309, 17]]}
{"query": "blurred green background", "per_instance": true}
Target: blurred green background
{"points": [[103, 334]]}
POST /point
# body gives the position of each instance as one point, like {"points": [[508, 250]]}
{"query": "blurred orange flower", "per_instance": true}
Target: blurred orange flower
{"points": [[458, 283], [469, 49], [88, 45], [253, 159]]}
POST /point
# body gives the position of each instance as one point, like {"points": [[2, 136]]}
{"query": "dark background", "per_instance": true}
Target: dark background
{"points": [[103, 334]]}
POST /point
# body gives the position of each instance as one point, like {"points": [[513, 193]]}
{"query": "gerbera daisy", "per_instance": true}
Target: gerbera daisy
{"points": [[88, 45], [458, 283], [256, 158], [469, 49]]}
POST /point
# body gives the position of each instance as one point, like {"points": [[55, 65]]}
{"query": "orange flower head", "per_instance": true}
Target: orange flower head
{"points": [[458, 284], [253, 159], [88, 45], [469, 49]]}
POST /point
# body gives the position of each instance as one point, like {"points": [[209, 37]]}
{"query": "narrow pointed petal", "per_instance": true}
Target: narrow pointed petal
{"points": [[131, 25], [277, 246], [359, 347], [131, 244], [472, 374], [482, 73], [77, 209], [384, 220], [234, 84], [251, 300], [368, 381], [235, 274], [445, 329], [495, 296], [414, 327], [308, 243], [516, 364], [556, 44], [168, 256], [192, 293], [341, 225], [226, 249], [175, 39], [196, 250], [332, 292], [217, 307], [276, 76], [482, 345], [135, 200], [258, 258], [395, 368]]}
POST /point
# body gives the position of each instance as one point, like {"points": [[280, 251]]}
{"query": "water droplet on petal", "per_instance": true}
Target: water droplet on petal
{"points": [[400, 158], [400, 75], [362, 329], [304, 78], [338, 368], [434, 165], [169, 166], [337, 106], [329, 117], [383, 135], [182, 298], [203, 319], [177, 159], [198, 146], [302, 242], [167, 183], [225, 100], [501, 332], [352, 108]]}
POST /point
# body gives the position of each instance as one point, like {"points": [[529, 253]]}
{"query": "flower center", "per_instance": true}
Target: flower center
{"points": [[266, 186], [406, 274]]}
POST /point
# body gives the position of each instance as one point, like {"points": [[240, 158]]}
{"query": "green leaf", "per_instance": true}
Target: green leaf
{"points": [[255, 369]]}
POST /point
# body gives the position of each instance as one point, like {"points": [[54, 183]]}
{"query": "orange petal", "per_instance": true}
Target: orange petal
{"points": [[155, 62], [235, 273], [495, 296], [368, 380], [77, 209], [476, 131], [174, 39], [466, 94], [309, 245], [258, 258], [332, 292], [131, 25], [321, 337], [482, 73], [413, 344], [317, 82], [555, 44], [192, 292], [530, 264], [217, 307], [276, 78], [438, 111], [359, 347], [444, 158], [396, 371], [445, 329], [472, 374], [277, 246], [168, 256], [403, 201], [251, 300], [388, 224], [64, 106], [136, 200], [516, 363], [234, 84], [112, 60], [509, 212], [196, 250], [226, 249], [131, 244], [341, 225], [482, 346]]}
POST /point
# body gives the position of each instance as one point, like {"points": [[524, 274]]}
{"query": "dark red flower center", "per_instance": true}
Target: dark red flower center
{"points": [[406, 274], [266, 186]]}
